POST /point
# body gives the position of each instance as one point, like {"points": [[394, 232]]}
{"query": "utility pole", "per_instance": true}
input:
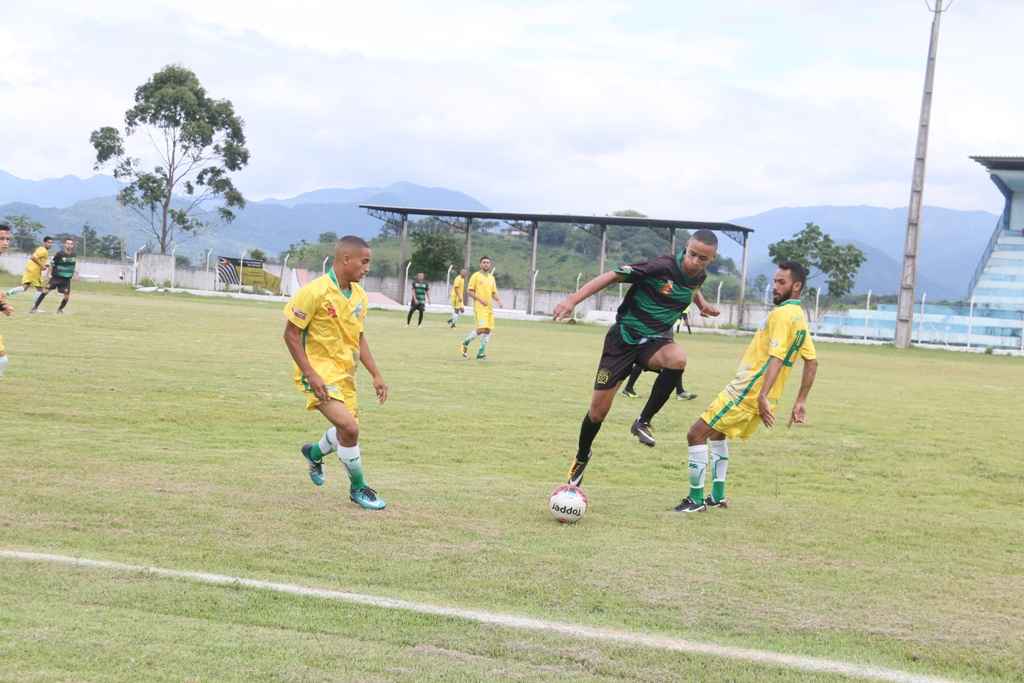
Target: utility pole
{"points": [[905, 305]]}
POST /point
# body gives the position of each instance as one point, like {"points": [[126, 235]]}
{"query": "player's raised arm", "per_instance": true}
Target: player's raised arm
{"points": [[293, 340], [368, 361], [799, 414], [564, 309]]}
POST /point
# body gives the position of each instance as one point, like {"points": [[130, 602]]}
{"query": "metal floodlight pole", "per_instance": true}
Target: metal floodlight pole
{"points": [[447, 285], [174, 265], [209, 253], [578, 278], [908, 279], [407, 267], [817, 303], [323, 266], [284, 267]]}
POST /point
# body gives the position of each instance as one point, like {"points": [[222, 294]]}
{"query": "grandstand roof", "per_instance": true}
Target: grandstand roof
{"points": [[382, 211], [1001, 163]]}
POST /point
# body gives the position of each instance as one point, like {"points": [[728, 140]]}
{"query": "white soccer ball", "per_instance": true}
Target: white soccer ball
{"points": [[568, 503]]}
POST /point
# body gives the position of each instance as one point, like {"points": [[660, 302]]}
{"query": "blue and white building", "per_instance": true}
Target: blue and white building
{"points": [[993, 314]]}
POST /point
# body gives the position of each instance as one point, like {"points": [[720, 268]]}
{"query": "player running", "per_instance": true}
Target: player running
{"points": [[324, 335], [642, 334], [420, 298], [483, 290], [61, 271], [458, 297], [36, 265], [751, 396], [5, 308]]}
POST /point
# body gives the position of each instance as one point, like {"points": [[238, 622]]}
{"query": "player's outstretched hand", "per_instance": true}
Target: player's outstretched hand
{"points": [[316, 383], [380, 388], [563, 310], [764, 408], [799, 415], [710, 311]]}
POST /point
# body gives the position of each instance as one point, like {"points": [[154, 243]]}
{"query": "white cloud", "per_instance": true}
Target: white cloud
{"points": [[675, 109]]}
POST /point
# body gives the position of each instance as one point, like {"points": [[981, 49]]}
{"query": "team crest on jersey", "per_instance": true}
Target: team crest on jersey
{"points": [[330, 310], [666, 288], [603, 375]]}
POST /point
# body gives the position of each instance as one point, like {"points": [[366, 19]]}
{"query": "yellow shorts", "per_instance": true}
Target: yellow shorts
{"points": [[2, 349], [484, 317], [34, 279], [343, 390], [735, 421]]}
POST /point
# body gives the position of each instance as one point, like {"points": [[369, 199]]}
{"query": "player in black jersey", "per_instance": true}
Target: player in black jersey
{"points": [[420, 298], [62, 269]]}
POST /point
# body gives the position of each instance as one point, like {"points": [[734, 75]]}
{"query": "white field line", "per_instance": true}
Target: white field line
{"points": [[810, 664]]}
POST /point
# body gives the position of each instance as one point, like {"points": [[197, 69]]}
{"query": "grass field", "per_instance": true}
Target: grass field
{"points": [[164, 430]]}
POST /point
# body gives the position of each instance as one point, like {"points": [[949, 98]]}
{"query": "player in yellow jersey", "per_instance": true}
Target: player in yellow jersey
{"points": [[5, 308], [324, 335], [37, 264], [483, 290], [750, 398], [458, 297]]}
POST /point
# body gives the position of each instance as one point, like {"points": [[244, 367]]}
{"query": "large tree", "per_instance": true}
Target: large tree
{"points": [[837, 263], [434, 252], [198, 142], [26, 232]]}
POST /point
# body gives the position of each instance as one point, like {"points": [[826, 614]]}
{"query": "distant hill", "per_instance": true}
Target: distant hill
{"points": [[950, 246], [55, 192], [951, 241]]}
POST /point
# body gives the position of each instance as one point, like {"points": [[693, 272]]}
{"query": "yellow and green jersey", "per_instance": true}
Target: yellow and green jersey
{"points": [[331, 320], [40, 255], [783, 335], [458, 290], [483, 286], [660, 294]]}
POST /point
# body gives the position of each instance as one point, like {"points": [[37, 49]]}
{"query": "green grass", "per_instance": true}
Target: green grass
{"points": [[163, 430]]}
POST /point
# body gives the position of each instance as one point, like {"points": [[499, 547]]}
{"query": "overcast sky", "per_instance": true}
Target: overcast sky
{"points": [[684, 108]]}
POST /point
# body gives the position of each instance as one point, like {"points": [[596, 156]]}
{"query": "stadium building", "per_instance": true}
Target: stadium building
{"points": [[993, 314]]}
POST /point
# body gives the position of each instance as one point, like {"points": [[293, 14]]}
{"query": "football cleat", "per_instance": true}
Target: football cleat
{"points": [[465, 350], [643, 432], [710, 502], [316, 467], [686, 395], [629, 393], [689, 505], [366, 498]]}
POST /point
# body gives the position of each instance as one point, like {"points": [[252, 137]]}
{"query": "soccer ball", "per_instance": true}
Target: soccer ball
{"points": [[568, 503]]}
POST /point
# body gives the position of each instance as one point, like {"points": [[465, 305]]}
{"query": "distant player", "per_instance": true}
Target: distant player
{"points": [[5, 308], [61, 271], [420, 298], [642, 334], [458, 297], [483, 290], [324, 335], [750, 398], [35, 267]]}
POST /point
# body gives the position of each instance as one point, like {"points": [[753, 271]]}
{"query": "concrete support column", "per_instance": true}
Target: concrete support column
{"points": [[403, 259], [534, 230]]}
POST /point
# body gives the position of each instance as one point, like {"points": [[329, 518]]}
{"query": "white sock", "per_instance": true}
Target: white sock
{"points": [[455, 316], [697, 466], [469, 338], [719, 459], [329, 441], [350, 458], [14, 290], [3, 365]]}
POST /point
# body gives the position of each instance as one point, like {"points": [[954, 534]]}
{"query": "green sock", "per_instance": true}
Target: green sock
{"points": [[698, 464], [327, 443], [349, 456], [469, 338]]}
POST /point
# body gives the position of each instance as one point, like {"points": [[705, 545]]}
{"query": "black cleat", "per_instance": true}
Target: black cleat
{"points": [[690, 506], [629, 393], [643, 432], [712, 503]]}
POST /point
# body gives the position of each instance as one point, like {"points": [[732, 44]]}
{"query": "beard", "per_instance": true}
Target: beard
{"points": [[784, 296]]}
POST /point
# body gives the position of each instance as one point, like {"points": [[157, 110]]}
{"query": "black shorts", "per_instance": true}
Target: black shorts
{"points": [[417, 306], [618, 358], [61, 284]]}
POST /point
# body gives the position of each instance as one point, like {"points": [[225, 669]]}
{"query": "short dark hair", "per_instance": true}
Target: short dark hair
{"points": [[705, 236], [353, 241], [796, 270], [47, 239], [486, 257], [4, 225]]}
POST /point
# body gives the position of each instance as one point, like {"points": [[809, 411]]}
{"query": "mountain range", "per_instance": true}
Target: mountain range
{"points": [[951, 244]]}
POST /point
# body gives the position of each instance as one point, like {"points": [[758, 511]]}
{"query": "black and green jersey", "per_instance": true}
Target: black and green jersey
{"points": [[420, 289], [660, 293], [63, 265]]}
